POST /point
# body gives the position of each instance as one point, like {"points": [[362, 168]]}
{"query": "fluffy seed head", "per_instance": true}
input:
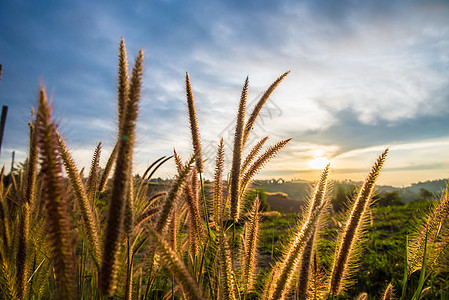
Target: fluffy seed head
{"points": [[252, 118], [196, 142], [353, 226], [237, 155], [55, 200]]}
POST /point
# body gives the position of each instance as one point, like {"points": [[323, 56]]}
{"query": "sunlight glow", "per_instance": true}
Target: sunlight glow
{"points": [[318, 163]]}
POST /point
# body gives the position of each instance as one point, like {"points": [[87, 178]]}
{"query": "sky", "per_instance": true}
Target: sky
{"points": [[365, 75]]}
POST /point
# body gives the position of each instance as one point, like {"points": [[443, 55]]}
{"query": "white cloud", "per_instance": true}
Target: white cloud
{"points": [[416, 145]]}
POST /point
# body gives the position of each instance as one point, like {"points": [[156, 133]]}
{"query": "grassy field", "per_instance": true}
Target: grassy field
{"points": [[384, 252]]}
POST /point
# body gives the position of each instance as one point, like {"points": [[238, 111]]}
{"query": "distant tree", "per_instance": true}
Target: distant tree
{"points": [[424, 195], [388, 199], [261, 193], [339, 197]]}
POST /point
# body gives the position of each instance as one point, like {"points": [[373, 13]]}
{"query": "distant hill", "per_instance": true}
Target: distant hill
{"points": [[435, 186], [281, 203], [300, 189], [290, 196], [296, 190], [416, 190]]}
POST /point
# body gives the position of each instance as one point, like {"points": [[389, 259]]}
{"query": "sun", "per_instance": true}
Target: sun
{"points": [[318, 163]]}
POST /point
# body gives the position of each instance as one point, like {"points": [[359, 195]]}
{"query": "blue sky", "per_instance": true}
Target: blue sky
{"points": [[365, 75]]}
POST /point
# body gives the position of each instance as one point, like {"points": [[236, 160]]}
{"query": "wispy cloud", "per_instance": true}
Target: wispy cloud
{"points": [[419, 145]]}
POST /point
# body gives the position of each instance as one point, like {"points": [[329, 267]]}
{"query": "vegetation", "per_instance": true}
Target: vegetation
{"points": [[79, 238]]}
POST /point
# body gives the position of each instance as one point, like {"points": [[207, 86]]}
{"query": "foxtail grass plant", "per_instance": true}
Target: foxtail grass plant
{"points": [[249, 255], [121, 179], [362, 296], [306, 257], [218, 185], [258, 164], [24, 216], [346, 251], [89, 222], [93, 173], [55, 200], [258, 108], [298, 246], [107, 170], [428, 247], [131, 238], [388, 293], [432, 230], [237, 155], [226, 276], [196, 142]]}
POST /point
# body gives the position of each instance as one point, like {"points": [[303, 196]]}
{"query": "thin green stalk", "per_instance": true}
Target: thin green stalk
{"points": [[175, 265], [272, 242], [81, 270], [144, 178], [422, 276], [203, 256], [129, 271], [147, 290], [404, 280], [107, 169], [203, 198], [86, 242]]}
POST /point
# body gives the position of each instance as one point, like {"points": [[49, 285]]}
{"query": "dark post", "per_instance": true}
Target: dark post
{"points": [[11, 174], [2, 124], [13, 156]]}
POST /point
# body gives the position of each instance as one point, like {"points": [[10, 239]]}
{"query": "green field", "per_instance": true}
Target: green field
{"points": [[383, 256]]}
